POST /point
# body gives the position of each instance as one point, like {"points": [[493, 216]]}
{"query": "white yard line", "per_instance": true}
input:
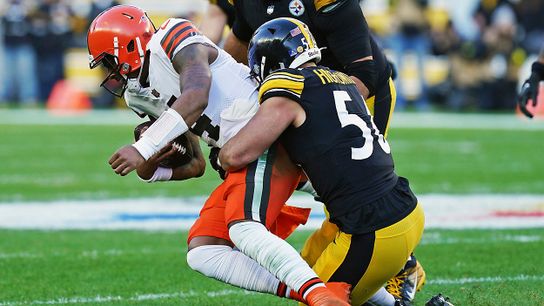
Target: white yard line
{"points": [[190, 294], [487, 279], [400, 119], [441, 211], [135, 298]]}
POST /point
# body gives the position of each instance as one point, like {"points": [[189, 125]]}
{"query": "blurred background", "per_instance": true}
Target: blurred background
{"points": [[465, 55]]}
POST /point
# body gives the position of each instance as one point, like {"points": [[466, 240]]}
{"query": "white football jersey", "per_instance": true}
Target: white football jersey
{"points": [[231, 83]]}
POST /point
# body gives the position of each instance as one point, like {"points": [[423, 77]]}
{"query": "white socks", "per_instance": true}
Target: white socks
{"points": [[274, 254], [233, 267]]}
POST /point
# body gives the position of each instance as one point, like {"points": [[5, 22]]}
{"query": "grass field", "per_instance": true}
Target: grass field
{"points": [[54, 162]]}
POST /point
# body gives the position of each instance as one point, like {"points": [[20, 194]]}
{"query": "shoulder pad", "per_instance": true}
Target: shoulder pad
{"points": [[327, 6], [287, 81]]}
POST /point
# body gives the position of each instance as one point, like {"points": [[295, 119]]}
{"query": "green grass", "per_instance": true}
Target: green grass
{"points": [[70, 162], [47, 162], [47, 266]]}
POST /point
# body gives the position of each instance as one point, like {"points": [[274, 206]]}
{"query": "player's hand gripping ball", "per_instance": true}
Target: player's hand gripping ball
{"points": [[183, 152]]}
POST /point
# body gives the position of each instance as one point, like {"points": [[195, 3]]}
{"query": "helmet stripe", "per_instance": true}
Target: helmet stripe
{"points": [[304, 31]]}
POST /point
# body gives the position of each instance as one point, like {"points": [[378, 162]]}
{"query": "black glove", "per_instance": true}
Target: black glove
{"points": [[529, 90], [214, 161]]}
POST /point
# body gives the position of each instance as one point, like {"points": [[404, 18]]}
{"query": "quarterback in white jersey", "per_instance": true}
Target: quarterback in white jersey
{"points": [[195, 84], [232, 91]]}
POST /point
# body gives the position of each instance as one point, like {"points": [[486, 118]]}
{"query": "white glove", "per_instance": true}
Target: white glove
{"points": [[144, 100]]}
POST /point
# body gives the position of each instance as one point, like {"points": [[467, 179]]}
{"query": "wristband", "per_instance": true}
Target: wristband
{"points": [[161, 174], [169, 126]]}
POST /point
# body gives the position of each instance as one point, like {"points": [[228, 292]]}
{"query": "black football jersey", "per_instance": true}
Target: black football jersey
{"points": [[337, 25], [339, 147]]}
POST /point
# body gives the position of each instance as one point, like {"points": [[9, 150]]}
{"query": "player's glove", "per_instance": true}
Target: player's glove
{"points": [[214, 162], [529, 90]]}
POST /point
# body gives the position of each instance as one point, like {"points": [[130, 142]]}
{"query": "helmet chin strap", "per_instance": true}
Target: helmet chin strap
{"points": [[263, 62], [116, 47], [141, 51]]}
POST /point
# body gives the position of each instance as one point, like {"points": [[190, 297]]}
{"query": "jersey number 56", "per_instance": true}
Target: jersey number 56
{"points": [[341, 98]]}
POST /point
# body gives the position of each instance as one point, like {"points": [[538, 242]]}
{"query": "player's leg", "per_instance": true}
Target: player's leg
{"points": [[318, 241], [412, 275], [211, 252], [252, 210], [368, 260]]}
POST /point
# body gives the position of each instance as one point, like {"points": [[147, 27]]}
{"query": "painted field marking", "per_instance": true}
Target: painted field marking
{"points": [[486, 279], [189, 294], [428, 239], [441, 211], [135, 298]]}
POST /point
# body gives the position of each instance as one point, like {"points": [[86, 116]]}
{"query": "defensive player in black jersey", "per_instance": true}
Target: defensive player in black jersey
{"points": [[323, 123], [340, 27], [337, 25]]}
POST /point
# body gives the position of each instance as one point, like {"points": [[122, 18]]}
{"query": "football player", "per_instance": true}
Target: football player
{"points": [[205, 88], [530, 88], [220, 13], [341, 28], [326, 128]]}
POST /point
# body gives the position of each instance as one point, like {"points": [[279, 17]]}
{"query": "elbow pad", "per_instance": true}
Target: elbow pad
{"points": [[366, 72]]}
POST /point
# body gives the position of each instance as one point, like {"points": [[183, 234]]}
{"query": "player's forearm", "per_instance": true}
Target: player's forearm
{"points": [[213, 23], [363, 90], [191, 104], [197, 165], [195, 168], [236, 48]]}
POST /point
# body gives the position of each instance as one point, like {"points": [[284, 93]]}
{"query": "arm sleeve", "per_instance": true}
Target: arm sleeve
{"points": [[345, 29], [240, 27], [176, 36]]}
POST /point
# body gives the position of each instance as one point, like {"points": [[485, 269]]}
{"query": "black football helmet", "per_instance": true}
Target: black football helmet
{"points": [[281, 43]]}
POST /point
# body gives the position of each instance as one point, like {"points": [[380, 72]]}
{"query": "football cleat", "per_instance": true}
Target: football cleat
{"points": [[405, 284], [439, 300]]}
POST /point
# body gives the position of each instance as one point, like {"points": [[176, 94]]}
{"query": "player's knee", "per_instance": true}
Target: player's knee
{"points": [[204, 259], [242, 231]]}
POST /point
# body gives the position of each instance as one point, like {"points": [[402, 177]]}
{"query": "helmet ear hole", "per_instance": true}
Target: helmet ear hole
{"points": [[130, 46]]}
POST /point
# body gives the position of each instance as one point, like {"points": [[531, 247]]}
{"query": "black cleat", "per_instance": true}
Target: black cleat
{"points": [[439, 300]]}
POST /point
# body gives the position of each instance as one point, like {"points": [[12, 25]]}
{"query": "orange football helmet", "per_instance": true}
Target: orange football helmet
{"points": [[117, 39]]}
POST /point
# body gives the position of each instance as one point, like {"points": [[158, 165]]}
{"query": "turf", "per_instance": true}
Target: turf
{"points": [[148, 268], [70, 162], [48, 162]]}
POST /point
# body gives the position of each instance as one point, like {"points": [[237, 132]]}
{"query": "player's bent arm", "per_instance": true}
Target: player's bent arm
{"points": [[236, 48], [274, 116], [348, 37], [192, 64]]}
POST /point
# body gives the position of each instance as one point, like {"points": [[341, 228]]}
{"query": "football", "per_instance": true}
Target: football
{"points": [[183, 150]]}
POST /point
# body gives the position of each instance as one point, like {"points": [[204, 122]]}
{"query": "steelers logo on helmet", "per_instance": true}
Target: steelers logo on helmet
{"points": [[296, 8], [281, 43]]}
